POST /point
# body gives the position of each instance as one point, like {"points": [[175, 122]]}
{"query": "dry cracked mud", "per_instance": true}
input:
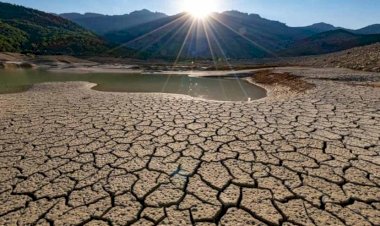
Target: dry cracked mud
{"points": [[73, 156]]}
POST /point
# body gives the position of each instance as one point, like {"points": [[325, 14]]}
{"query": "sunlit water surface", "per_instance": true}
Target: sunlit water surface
{"points": [[217, 88]]}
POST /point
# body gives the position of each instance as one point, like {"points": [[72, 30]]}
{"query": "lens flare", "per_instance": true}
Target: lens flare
{"points": [[200, 9]]}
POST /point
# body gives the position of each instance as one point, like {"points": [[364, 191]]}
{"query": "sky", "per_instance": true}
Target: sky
{"points": [[345, 13]]}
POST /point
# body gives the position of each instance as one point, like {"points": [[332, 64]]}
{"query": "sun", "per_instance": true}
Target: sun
{"points": [[200, 9]]}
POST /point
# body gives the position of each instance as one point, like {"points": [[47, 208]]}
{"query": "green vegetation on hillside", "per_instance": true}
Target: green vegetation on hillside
{"points": [[32, 31], [11, 38]]}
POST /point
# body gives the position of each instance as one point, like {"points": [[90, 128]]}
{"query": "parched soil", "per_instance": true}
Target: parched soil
{"points": [[70, 155]]}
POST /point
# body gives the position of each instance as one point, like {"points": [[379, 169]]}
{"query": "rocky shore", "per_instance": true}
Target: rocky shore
{"points": [[366, 58]]}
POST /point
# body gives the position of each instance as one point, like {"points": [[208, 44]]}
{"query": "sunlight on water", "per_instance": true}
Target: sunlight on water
{"points": [[222, 89]]}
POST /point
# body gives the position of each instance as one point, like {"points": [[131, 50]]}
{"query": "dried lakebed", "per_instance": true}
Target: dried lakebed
{"points": [[219, 89], [70, 155]]}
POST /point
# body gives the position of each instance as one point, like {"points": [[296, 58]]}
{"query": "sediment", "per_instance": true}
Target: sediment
{"points": [[70, 155]]}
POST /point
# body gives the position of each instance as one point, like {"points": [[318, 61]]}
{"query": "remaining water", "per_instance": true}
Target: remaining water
{"points": [[222, 89]]}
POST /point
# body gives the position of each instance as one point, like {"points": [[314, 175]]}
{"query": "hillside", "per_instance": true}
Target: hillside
{"points": [[366, 58], [328, 42], [32, 31], [102, 24], [372, 29]]}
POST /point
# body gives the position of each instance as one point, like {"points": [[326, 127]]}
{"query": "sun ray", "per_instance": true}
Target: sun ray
{"points": [[147, 34], [179, 53], [176, 28], [205, 27], [184, 42], [247, 39], [199, 29], [228, 63], [178, 31], [280, 58]]}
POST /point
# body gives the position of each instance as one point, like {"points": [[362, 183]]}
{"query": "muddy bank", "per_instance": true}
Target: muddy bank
{"points": [[17, 65], [286, 79]]}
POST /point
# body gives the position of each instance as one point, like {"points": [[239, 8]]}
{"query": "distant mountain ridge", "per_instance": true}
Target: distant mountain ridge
{"points": [[321, 27], [93, 21], [102, 24], [371, 29]]}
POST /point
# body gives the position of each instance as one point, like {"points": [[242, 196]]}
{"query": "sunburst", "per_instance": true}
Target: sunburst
{"points": [[200, 9]]}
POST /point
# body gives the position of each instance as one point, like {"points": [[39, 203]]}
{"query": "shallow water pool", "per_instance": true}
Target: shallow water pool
{"points": [[216, 88]]}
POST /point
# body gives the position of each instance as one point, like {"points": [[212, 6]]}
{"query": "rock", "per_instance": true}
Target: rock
{"points": [[365, 58], [15, 65], [26, 65], [10, 65]]}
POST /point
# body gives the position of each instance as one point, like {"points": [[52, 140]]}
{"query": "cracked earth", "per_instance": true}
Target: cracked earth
{"points": [[73, 156]]}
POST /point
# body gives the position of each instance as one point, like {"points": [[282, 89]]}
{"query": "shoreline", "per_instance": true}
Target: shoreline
{"points": [[103, 87], [273, 89]]}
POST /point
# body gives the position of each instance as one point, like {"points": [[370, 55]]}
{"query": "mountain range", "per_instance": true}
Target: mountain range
{"points": [[102, 24], [230, 34], [143, 33]]}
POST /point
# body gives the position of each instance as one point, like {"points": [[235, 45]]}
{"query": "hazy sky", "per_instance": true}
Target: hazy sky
{"points": [[345, 13]]}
